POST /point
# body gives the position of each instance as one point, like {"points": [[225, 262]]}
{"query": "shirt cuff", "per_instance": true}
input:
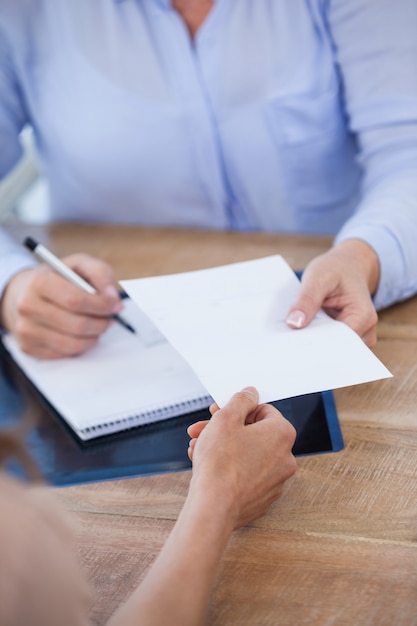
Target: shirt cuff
{"points": [[12, 261]]}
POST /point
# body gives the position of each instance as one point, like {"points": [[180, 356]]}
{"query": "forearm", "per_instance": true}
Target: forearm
{"points": [[177, 589], [13, 259]]}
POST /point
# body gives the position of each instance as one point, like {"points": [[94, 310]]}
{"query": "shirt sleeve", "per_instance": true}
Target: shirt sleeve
{"points": [[12, 110], [12, 120], [13, 259], [375, 45]]}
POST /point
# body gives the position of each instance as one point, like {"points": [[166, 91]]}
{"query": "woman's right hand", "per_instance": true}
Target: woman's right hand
{"points": [[52, 318], [242, 456]]}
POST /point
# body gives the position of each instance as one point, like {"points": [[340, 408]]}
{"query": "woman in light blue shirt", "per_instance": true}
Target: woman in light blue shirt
{"points": [[262, 115]]}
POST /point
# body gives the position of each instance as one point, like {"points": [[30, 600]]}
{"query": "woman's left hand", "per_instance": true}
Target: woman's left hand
{"points": [[341, 282]]}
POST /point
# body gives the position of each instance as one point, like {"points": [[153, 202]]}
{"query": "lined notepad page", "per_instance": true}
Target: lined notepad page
{"points": [[126, 380]]}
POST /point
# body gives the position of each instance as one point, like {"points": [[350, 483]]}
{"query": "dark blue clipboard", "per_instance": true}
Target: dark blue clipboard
{"points": [[63, 459]]}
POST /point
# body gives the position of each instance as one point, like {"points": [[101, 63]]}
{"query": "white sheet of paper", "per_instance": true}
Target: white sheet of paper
{"points": [[228, 322]]}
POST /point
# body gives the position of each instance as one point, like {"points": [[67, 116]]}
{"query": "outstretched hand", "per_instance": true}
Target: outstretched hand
{"points": [[341, 282], [243, 455]]}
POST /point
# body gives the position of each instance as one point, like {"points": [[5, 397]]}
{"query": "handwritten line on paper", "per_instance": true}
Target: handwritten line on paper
{"points": [[228, 322]]}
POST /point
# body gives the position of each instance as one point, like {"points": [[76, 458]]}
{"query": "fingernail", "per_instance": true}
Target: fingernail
{"points": [[296, 319], [111, 291]]}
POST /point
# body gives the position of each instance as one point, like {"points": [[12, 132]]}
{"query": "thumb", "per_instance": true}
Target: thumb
{"points": [[308, 303], [240, 405]]}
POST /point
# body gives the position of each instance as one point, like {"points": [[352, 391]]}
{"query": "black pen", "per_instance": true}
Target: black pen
{"points": [[65, 271]]}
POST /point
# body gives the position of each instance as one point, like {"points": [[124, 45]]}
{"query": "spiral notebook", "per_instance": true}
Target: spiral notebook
{"points": [[126, 380]]}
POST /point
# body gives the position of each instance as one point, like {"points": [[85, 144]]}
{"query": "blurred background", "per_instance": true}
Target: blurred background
{"points": [[24, 191]]}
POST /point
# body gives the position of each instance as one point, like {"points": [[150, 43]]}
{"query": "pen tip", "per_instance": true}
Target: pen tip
{"points": [[124, 323], [30, 243]]}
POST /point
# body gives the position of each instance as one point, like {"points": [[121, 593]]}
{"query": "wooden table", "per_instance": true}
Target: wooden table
{"points": [[340, 546]]}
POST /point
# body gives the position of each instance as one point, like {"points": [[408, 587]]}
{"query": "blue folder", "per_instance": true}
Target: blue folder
{"points": [[63, 459]]}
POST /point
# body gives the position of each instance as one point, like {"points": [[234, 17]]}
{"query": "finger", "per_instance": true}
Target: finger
{"points": [[240, 405], [53, 288], [213, 408], [365, 328], [48, 344], [191, 447], [310, 299], [275, 421], [264, 411], [361, 316], [370, 338], [95, 271], [194, 430], [35, 313], [276, 427]]}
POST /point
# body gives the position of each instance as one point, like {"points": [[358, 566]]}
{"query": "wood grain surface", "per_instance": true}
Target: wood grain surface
{"points": [[340, 546]]}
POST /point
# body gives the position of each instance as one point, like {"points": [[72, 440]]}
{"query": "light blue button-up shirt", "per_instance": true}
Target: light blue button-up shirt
{"points": [[281, 115]]}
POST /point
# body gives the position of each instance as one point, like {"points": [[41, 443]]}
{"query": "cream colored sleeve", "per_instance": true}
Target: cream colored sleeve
{"points": [[41, 582]]}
